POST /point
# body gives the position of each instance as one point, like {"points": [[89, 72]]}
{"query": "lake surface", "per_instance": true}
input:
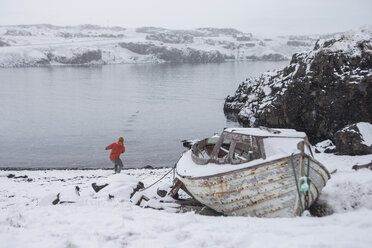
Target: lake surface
{"points": [[64, 117]]}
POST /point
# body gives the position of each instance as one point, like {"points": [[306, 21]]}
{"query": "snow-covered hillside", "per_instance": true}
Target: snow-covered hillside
{"points": [[44, 44]]}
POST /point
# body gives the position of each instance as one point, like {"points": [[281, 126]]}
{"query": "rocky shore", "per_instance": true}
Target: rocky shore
{"points": [[320, 92]]}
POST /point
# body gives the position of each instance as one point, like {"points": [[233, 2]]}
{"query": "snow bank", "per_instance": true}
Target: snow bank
{"points": [[365, 130], [97, 221]]}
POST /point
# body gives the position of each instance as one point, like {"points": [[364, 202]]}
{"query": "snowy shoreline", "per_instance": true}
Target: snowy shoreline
{"points": [[94, 220], [72, 169]]}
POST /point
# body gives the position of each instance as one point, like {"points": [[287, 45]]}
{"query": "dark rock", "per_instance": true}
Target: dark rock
{"points": [[79, 57], [349, 141], [325, 146], [139, 186], [140, 48], [319, 92], [56, 201], [330, 150], [10, 176], [97, 188], [16, 177], [149, 167], [161, 193], [111, 196], [320, 208]]}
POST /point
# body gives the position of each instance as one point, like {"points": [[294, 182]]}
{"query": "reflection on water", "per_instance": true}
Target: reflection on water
{"points": [[66, 116]]}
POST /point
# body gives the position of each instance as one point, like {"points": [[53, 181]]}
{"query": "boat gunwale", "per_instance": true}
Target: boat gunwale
{"points": [[256, 166]]}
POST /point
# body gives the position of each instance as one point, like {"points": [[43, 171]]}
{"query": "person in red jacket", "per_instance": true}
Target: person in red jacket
{"points": [[117, 148]]}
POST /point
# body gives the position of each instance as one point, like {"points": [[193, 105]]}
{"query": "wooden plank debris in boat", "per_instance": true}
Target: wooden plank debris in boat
{"points": [[253, 172]]}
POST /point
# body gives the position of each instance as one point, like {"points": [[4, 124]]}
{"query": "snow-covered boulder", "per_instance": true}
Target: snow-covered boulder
{"points": [[355, 139], [326, 146], [320, 92]]}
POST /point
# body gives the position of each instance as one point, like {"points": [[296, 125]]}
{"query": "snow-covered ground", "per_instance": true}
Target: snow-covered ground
{"points": [[38, 45], [28, 217]]}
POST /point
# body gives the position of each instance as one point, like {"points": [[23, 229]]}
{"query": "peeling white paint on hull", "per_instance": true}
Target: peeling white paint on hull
{"points": [[264, 190]]}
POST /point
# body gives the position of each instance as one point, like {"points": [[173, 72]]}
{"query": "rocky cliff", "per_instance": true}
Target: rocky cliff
{"points": [[319, 92]]}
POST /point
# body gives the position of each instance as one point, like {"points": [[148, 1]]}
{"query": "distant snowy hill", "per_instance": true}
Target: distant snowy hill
{"points": [[45, 44]]}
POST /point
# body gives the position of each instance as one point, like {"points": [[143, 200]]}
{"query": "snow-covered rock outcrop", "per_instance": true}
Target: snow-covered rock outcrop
{"points": [[43, 44], [355, 139], [320, 92], [174, 55]]}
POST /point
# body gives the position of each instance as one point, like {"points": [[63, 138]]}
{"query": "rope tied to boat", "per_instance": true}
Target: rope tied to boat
{"points": [[305, 183], [308, 183], [158, 180], [298, 190]]}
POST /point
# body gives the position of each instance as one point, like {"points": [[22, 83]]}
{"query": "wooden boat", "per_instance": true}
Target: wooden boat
{"points": [[253, 172]]}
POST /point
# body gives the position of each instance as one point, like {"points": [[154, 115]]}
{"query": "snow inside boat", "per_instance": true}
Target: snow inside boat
{"points": [[253, 172]]}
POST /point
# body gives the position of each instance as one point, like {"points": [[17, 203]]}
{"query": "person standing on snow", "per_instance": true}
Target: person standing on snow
{"points": [[117, 148]]}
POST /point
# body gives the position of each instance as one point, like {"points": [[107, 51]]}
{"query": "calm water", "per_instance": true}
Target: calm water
{"points": [[66, 116]]}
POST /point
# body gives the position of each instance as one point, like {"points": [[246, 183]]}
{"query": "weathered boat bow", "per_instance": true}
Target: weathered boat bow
{"points": [[253, 172]]}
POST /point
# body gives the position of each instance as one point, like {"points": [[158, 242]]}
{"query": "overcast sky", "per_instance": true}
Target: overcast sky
{"points": [[256, 16]]}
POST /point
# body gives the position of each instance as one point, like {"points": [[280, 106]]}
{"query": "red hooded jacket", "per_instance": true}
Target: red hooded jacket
{"points": [[116, 149]]}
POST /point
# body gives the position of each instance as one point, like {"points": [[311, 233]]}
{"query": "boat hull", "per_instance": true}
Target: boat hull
{"points": [[265, 190]]}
